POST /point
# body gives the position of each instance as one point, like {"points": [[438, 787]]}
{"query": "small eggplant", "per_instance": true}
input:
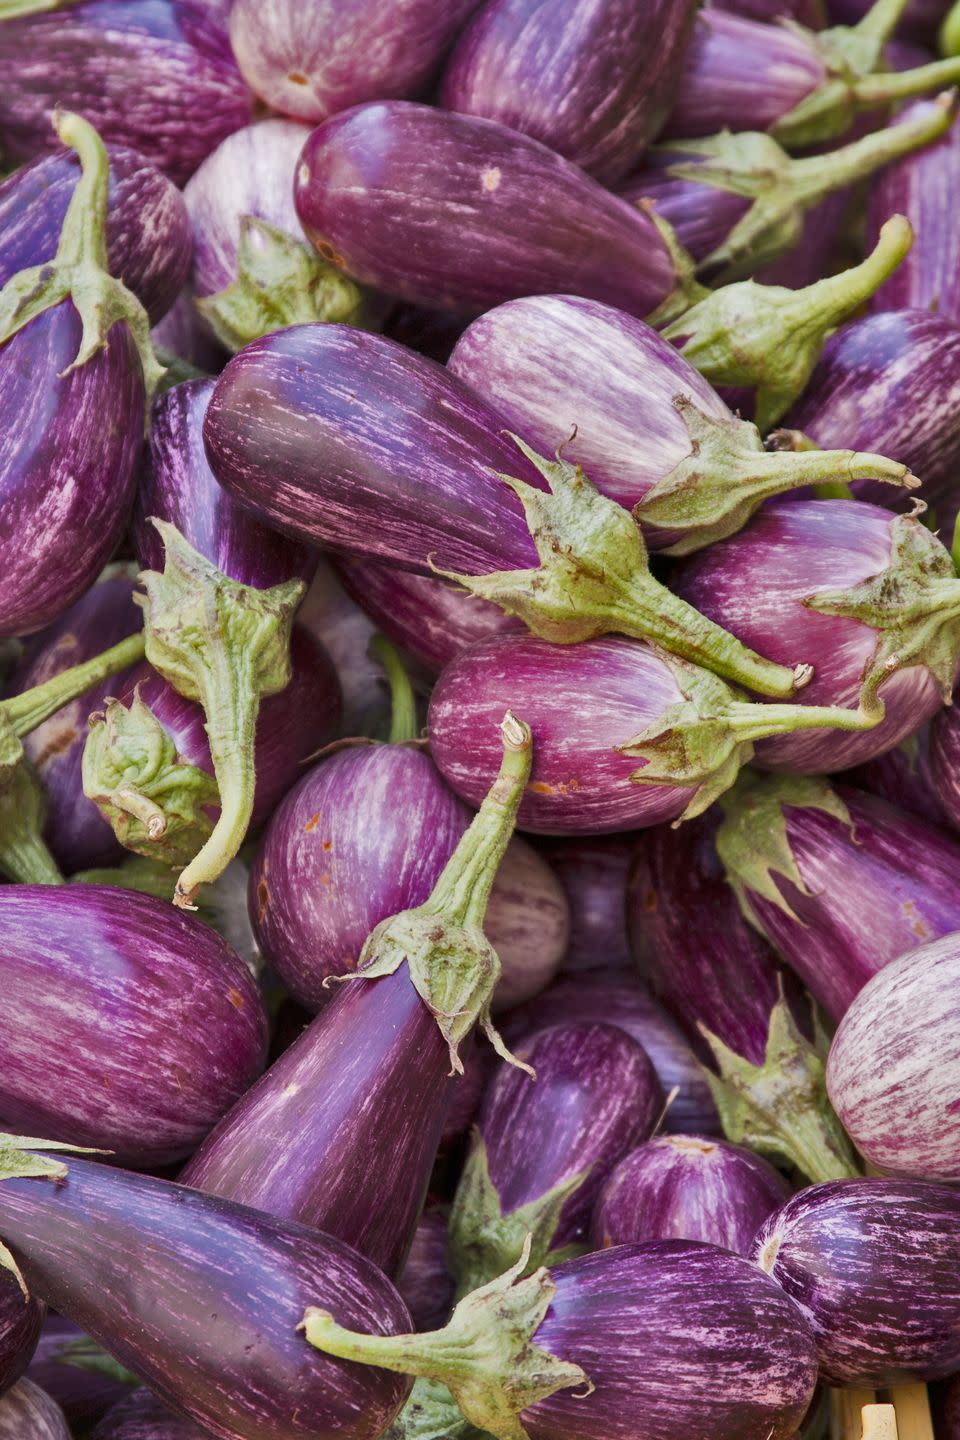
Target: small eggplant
{"points": [[683, 1187], [941, 767], [26, 1413], [20, 1319], [159, 1026], [200, 1298], [424, 1282], [158, 77], [141, 1416], [613, 66], [874, 1265], [84, 1385], [541, 1153], [593, 872], [811, 13]]}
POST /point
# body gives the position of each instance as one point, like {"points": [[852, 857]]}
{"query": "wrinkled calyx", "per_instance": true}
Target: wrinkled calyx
{"points": [[431, 1413]]}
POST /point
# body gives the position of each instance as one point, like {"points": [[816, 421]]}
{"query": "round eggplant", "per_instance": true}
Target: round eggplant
{"points": [[593, 873], [21, 1317], [26, 1413], [141, 1416]]}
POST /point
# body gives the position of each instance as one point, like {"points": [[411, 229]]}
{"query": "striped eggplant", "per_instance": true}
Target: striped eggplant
{"points": [[684, 1187], [592, 79], [83, 1385], [540, 1153], [26, 1413], [201, 1298], [593, 873], [157, 75], [345, 632], [148, 229], [20, 1319], [874, 1265], [895, 1061], [903, 776], [589, 1349], [424, 1281], [940, 766], [141, 1416], [840, 883], [159, 1026]]}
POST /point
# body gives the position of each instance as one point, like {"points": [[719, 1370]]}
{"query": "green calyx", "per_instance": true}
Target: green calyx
{"points": [[155, 803], [225, 645], [431, 1413], [482, 1242], [25, 1157], [280, 281], [79, 271], [782, 189], [404, 726], [451, 963], [687, 289], [728, 474], [594, 579], [485, 1355], [769, 338], [24, 856], [148, 877], [16, 9], [781, 1107], [949, 36]]}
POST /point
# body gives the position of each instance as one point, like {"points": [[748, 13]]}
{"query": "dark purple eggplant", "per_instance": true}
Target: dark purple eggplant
{"points": [[593, 872], [311, 63], [684, 1187], [424, 1282], [903, 776], [918, 21], [148, 229], [201, 1298], [184, 343], [157, 75], [84, 1385], [158, 1025], [26, 1413], [141, 1416], [839, 883], [942, 765], [20, 1319], [592, 79], [593, 1349], [874, 1265], [541, 1153]]}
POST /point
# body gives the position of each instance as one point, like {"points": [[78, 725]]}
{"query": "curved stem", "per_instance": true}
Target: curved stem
{"points": [[24, 856], [817, 175], [25, 712], [894, 85], [403, 702], [132, 802], [881, 19], [955, 545], [759, 722], [949, 37]]}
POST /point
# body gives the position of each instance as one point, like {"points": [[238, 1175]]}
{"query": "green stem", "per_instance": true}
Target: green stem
{"points": [[949, 37], [955, 545], [881, 19], [760, 722], [885, 89], [403, 702], [25, 712], [24, 856]]}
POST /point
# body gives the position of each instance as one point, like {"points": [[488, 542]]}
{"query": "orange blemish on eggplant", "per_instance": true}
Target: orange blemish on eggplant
{"points": [[263, 899], [312, 823], [540, 787], [328, 845], [236, 999], [297, 77], [325, 878], [916, 922]]}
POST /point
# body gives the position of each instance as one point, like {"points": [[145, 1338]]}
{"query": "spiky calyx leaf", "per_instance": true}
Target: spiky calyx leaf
{"points": [[26, 1157], [431, 1413]]}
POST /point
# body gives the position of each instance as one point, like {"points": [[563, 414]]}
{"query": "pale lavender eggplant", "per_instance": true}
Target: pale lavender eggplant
{"points": [[148, 230], [685, 1187], [942, 769], [592, 79], [20, 1321], [894, 1069], [527, 923], [874, 1265], [594, 873], [137, 1026], [312, 61], [458, 213], [26, 1413], [903, 777], [141, 1416], [83, 1394], [345, 632], [424, 1282], [201, 1299], [157, 75]]}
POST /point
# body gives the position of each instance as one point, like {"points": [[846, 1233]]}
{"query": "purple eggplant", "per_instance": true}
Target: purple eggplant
{"points": [[839, 883], [159, 1026], [903, 777], [894, 1067], [345, 632], [84, 1385], [683, 1187], [20, 1319], [141, 1416], [874, 1265], [918, 21], [874, 597], [541, 1152], [201, 1298], [811, 13], [592, 79], [26, 1413], [424, 1281], [157, 75], [312, 63], [941, 770], [593, 1349], [148, 229], [594, 873]]}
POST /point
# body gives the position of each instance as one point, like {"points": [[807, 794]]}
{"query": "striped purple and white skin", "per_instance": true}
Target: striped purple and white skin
{"points": [[702, 216], [141, 1416], [174, 89], [26, 1413], [424, 1281], [201, 1299], [20, 1321], [941, 771], [311, 61], [903, 776], [148, 230], [809, 12], [458, 213], [345, 632], [592, 79], [527, 923], [593, 871], [83, 1395], [686, 1187], [874, 1265], [893, 1075], [137, 1026]]}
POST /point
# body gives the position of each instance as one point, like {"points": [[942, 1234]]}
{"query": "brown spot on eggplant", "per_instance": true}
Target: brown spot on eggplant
{"points": [[312, 823], [236, 999], [263, 898]]}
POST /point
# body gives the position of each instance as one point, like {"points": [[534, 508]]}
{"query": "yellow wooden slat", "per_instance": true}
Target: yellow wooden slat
{"points": [[912, 1404], [880, 1423], [846, 1407]]}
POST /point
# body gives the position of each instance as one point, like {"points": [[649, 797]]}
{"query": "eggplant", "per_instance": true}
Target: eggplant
{"points": [[346, 632], [156, 76], [648, 430], [593, 873], [874, 1265], [873, 596], [903, 776], [892, 1071], [20, 1319], [141, 1416], [26, 1413], [541, 1153], [84, 1385], [808, 862], [201, 1298], [424, 1281], [313, 63], [159, 1026], [942, 770], [593, 81], [588, 1349], [811, 13], [918, 20], [148, 229], [684, 1187]]}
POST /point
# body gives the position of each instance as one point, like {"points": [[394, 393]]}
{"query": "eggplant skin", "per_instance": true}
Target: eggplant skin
{"points": [[201, 1299], [26, 1413], [20, 1322], [137, 1025], [141, 1416], [875, 1267], [82, 1395]]}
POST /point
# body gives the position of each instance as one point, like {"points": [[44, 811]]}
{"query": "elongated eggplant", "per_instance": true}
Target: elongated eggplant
{"points": [[26, 1413], [811, 13], [141, 1416], [20, 1319], [148, 229], [594, 873], [874, 1265], [684, 1187], [840, 883], [424, 1282], [159, 1026], [83, 1385], [614, 67], [199, 1297], [174, 89], [541, 1153]]}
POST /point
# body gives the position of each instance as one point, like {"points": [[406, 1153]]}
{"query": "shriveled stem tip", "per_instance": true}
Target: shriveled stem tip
{"points": [[802, 675], [516, 735]]}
